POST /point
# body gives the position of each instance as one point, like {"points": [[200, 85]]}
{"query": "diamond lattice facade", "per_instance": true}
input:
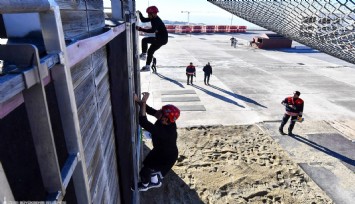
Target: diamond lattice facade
{"points": [[327, 25]]}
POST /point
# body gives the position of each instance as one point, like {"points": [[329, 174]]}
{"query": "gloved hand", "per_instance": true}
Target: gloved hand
{"points": [[138, 28], [300, 119]]}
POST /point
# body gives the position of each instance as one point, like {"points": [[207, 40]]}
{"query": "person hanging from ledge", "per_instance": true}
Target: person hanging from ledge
{"points": [[160, 39], [164, 154], [294, 109]]}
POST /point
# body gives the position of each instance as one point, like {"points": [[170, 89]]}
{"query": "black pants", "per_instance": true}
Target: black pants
{"points": [[157, 162], [189, 77], [155, 45], [207, 79], [292, 122], [154, 68]]}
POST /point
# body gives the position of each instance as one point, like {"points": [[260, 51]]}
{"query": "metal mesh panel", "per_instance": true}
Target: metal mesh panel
{"points": [[326, 25]]}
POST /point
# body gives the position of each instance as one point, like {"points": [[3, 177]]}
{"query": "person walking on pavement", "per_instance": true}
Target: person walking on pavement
{"points": [[160, 39], [154, 64], [233, 42], [190, 73], [164, 154], [294, 109], [208, 71]]}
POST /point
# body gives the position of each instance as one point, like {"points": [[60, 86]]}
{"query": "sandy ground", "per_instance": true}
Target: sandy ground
{"points": [[233, 164]]}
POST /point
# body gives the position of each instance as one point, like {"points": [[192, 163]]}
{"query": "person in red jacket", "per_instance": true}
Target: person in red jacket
{"points": [[294, 109], [164, 154], [160, 39], [190, 73]]}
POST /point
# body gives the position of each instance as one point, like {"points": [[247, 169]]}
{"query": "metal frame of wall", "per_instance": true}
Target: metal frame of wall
{"points": [[328, 26], [35, 75]]}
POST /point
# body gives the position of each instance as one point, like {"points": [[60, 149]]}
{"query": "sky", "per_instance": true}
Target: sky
{"points": [[201, 11]]}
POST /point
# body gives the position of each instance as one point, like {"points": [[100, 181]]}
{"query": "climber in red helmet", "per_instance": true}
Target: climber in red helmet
{"points": [[160, 39], [164, 154]]}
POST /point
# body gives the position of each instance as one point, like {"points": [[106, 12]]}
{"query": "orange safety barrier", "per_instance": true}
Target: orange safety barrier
{"points": [[197, 29], [185, 29], [233, 29], [222, 29], [171, 28], [205, 29], [210, 28]]}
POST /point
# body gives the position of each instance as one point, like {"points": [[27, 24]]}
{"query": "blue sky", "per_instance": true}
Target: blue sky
{"points": [[201, 11]]}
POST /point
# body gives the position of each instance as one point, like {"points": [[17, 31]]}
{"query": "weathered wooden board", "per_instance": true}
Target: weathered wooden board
{"points": [[74, 23], [20, 6], [99, 64], [71, 4], [10, 105], [86, 111], [91, 147], [95, 5], [11, 85], [107, 134], [84, 90], [96, 20], [103, 94], [80, 71], [101, 185], [94, 178], [92, 164]]}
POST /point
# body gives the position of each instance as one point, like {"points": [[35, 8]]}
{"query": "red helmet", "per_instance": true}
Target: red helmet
{"points": [[152, 9], [171, 112]]}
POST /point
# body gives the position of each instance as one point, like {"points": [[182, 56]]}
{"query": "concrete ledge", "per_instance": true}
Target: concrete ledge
{"points": [[178, 92], [180, 99], [192, 108]]}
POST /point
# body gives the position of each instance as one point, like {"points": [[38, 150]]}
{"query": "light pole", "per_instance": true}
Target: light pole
{"points": [[188, 16]]}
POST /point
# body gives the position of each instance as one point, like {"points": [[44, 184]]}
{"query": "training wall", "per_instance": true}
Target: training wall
{"points": [[102, 83]]}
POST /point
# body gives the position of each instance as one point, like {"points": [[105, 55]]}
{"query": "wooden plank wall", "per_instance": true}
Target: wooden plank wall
{"points": [[91, 86]]}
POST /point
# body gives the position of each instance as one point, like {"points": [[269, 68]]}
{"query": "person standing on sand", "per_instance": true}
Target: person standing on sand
{"points": [[164, 154]]}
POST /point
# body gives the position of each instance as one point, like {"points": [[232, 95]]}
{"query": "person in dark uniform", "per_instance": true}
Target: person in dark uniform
{"points": [[164, 154], [160, 39], [208, 71], [154, 64], [294, 109]]}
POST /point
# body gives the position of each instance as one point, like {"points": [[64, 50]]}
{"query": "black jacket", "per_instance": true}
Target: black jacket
{"points": [[158, 27], [207, 69]]}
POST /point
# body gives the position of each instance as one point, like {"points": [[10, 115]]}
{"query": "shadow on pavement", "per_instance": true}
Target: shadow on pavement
{"points": [[173, 190], [223, 98], [324, 149], [237, 96], [293, 50], [171, 80]]}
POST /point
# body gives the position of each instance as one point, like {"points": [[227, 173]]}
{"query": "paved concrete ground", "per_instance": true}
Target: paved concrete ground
{"points": [[247, 87]]}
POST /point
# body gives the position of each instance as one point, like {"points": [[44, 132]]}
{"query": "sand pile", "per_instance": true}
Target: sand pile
{"points": [[233, 164]]}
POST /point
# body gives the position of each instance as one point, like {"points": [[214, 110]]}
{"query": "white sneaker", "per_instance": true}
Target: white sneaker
{"points": [[143, 56], [146, 68]]}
